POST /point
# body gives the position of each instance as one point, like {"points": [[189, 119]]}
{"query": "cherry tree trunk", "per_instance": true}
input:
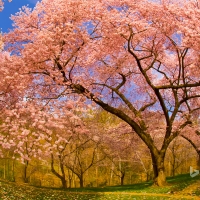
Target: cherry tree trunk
{"points": [[64, 183], [159, 170], [81, 180], [122, 179], [62, 176], [13, 170], [25, 177]]}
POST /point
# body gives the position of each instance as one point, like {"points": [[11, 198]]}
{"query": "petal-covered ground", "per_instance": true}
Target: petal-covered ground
{"points": [[179, 189]]}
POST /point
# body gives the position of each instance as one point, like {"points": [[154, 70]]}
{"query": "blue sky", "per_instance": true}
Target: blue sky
{"points": [[12, 8]]}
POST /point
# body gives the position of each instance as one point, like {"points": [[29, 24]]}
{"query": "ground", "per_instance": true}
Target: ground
{"points": [[179, 187]]}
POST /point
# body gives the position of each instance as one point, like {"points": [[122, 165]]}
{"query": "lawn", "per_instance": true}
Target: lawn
{"points": [[175, 190]]}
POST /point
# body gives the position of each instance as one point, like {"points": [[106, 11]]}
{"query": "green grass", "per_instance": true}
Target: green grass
{"points": [[197, 192], [182, 181], [175, 184], [12, 191]]}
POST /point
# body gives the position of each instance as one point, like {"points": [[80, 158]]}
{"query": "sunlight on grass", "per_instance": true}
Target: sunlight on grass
{"points": [[12, 191]]}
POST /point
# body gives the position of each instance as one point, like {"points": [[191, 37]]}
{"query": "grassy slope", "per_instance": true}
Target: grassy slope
{"points": [[177, 189]]}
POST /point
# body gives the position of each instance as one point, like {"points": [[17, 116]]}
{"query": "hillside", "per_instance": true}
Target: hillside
{"points": [[179, 187]]}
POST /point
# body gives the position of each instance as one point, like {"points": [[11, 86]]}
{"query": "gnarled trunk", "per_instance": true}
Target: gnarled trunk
{"points": [[160, 178], [159, 169]]}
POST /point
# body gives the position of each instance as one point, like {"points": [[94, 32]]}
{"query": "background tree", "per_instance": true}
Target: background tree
{"points": [[63, 142], [175, 149]]}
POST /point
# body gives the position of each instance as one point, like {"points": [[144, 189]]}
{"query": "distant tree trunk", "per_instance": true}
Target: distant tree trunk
{"points": [[111, 174], [173, 166], [13, 171], [25, 177], [4, 169], [122, 178], [61, 177], [81, 180], [70, 177], [148, 176], [97, 179], [64, 182]]}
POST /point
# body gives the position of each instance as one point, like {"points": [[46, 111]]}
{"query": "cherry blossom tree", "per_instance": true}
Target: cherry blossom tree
{"points": [[7, 95], [118, 54], [19, 133], [2, 4], [175, 149], [36, 131], [119, 142], [84, 157], [193, 137], [1, 43], [62, 144]]}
